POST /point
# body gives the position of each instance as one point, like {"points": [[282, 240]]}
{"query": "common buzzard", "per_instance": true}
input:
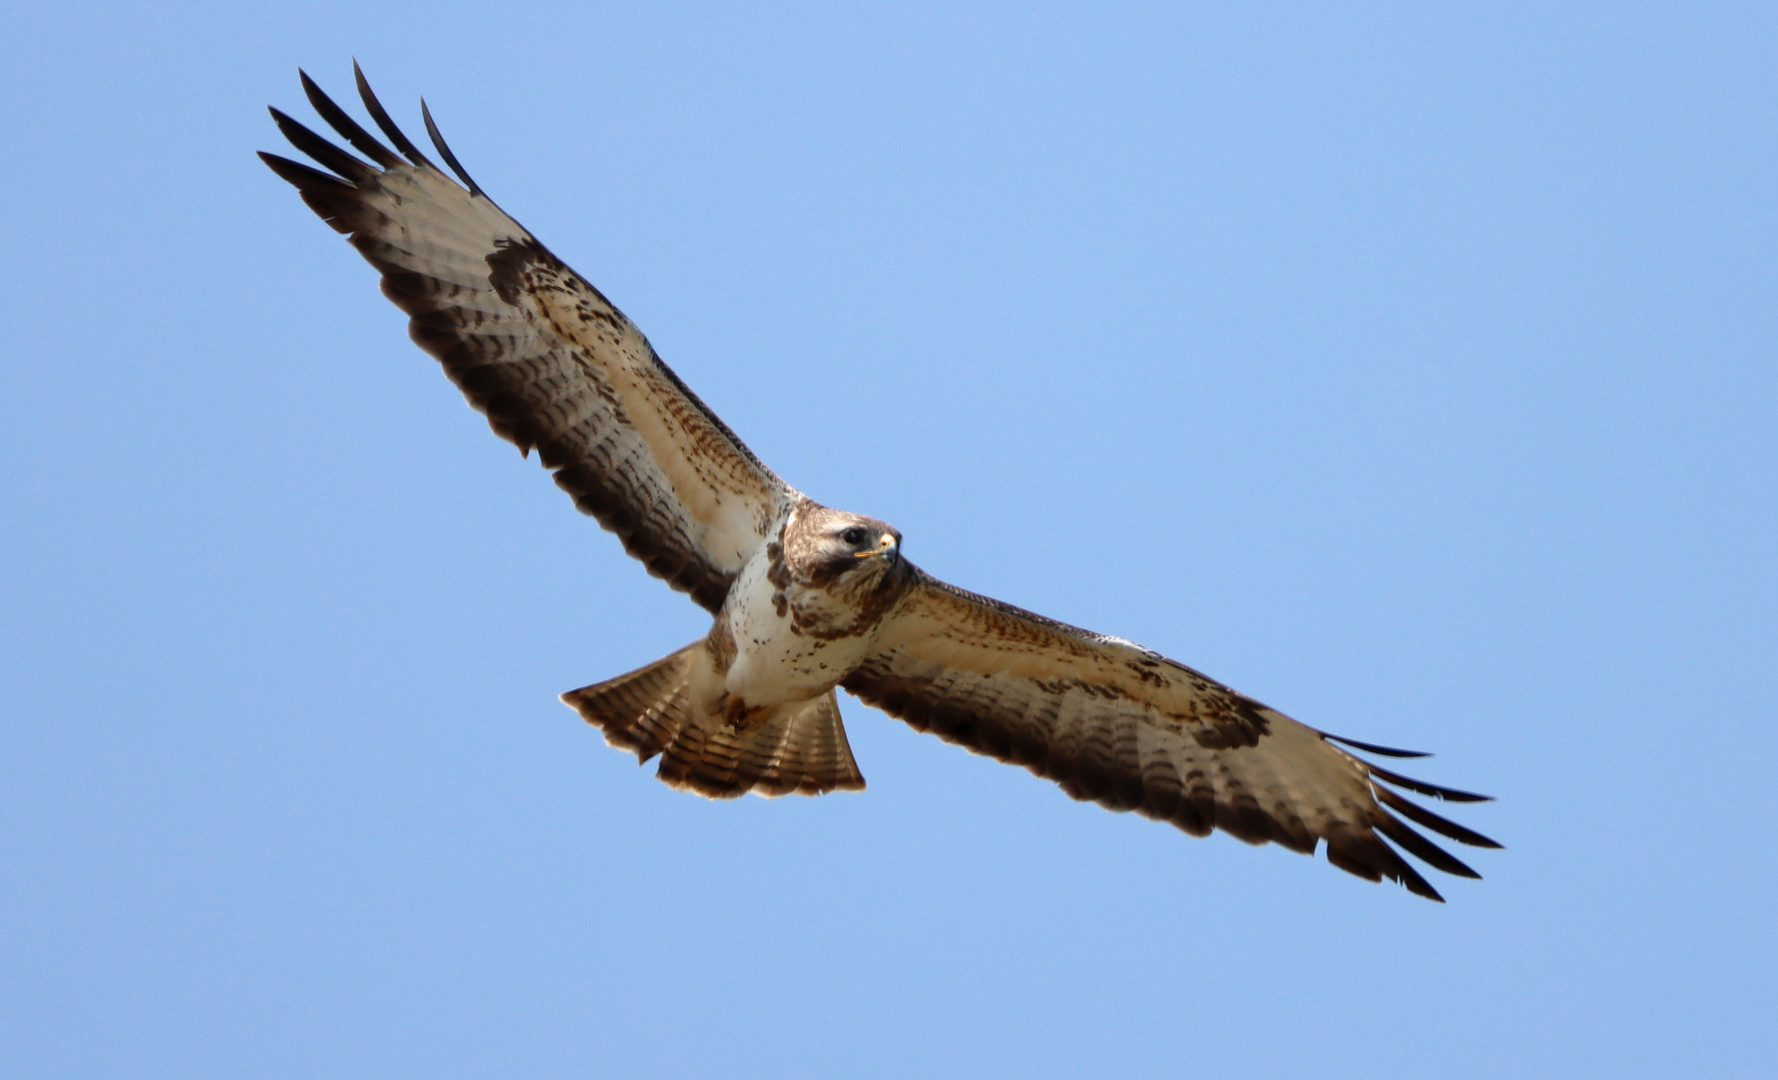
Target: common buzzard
{"points": [[807, 598]]}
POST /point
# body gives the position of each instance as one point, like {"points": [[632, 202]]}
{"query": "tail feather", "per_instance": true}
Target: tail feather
{"points": [[654, 710], [644, 710], [802, 750]]}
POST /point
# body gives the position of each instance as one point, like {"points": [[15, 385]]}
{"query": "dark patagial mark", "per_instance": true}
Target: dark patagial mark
{"points": [[508, 262]]}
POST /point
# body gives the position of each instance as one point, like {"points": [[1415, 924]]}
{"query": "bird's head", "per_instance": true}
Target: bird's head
{"points": [[839, 546], [862, 543]]}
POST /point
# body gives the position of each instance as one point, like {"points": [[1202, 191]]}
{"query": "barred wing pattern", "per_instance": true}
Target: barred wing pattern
{"points": [[550, 361], [1130, 729]]}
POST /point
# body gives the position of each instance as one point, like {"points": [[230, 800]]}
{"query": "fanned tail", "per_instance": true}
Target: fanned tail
{"points": [[802, 750], [657, 709]]}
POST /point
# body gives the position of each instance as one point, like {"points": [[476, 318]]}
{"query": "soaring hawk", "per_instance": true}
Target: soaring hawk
{"points": [[807, 598]]}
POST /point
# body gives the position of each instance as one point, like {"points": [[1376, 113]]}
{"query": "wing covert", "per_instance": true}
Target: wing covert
{"points": [[551, 363], [1125, 727]]}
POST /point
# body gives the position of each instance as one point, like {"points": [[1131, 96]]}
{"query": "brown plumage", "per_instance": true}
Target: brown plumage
{"points": [[807, 598]]}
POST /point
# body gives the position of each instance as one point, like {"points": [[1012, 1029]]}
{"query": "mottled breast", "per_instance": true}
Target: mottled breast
{"points": [[804, 611]]}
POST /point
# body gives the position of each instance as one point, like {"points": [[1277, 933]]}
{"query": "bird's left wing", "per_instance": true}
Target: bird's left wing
{"points": [[1132, 730], [552, 364]]}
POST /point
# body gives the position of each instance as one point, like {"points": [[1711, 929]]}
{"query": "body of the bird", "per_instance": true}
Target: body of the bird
{"points": [[803, 612]]}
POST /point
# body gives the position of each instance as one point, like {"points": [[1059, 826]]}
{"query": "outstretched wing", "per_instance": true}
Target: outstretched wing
{"points": [[552, 364], [1132, 730]]}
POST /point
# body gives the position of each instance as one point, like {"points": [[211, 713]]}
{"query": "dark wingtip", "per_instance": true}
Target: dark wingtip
{"points": [[281, 165], [1421, 848], [321, 150], [333, 199], [1422, 816], [1366, 855], [349, 129], [305, 177], [1421, 786], [381, 116], [1410, 878], [445, 152], [1372, 748]]}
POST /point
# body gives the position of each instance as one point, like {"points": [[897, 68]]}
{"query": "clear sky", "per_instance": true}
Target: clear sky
{"points": [[1409, 367]]}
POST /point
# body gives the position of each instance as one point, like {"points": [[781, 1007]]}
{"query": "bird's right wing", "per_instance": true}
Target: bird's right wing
{"points": [[552, 364]]}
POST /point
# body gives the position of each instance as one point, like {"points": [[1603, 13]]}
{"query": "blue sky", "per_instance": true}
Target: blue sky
{"points": [[1410, 368]]}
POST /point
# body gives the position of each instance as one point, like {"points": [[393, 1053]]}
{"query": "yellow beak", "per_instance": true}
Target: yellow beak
{"points": [[884, 547]]}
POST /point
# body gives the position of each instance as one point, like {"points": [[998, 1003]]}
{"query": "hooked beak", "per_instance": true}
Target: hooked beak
{"points": [[885, 546]]}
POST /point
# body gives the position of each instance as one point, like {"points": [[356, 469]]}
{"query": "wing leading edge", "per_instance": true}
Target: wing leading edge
{"points": [[1129, 729]]}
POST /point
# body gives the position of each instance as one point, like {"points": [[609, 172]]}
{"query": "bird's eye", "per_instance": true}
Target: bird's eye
{"points": [[854, 535]]}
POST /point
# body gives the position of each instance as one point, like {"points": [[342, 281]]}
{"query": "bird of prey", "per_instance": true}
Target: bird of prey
{"points": [[807, 598]]}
